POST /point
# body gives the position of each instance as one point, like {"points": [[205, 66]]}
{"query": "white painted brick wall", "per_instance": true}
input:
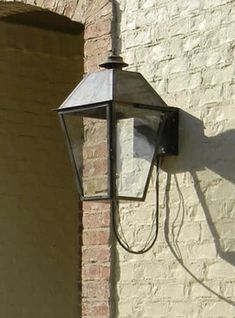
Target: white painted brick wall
{"points": [[186, 50]]}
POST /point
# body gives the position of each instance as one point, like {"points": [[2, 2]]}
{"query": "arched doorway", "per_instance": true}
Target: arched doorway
{"points": [[41, 60]]}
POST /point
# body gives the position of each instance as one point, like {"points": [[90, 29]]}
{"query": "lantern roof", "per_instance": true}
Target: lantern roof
{"points": [[113, 85]]}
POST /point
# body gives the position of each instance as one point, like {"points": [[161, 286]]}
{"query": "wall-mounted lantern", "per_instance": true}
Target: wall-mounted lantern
{"points": [[116, 125]]}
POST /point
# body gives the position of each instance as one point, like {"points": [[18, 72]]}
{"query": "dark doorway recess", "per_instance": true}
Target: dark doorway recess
{"points": [[45, 20]]}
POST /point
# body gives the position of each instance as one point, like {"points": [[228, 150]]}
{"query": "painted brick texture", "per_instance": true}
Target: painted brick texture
{"points": [[185, 49]]}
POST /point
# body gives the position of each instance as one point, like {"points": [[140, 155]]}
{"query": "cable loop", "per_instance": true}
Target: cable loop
{"points": [[149, 242]]}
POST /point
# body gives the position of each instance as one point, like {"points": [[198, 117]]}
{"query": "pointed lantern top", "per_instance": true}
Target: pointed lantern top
{"points": [[113, 84]]}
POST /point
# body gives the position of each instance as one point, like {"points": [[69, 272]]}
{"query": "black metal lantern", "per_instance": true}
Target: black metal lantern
{"points": [[116, 125]]}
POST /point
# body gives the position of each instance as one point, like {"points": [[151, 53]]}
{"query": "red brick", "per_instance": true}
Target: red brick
{"points": [[100, 45], [91, 272], [95, 254], [95, 168], [96, 289], [96, 206], [105, 271], [96, 272], [96, 220], [106, 10], [96, 237], [70, 9], [96, 215], [98, 29], [95, 151], [96, 8], [94, 309]]}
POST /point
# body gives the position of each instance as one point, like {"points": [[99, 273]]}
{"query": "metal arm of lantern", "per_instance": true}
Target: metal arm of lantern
{"points": [[116, 97]]}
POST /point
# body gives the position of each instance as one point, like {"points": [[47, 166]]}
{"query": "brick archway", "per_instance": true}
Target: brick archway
{"points": [[67, 8], [96, 16]]}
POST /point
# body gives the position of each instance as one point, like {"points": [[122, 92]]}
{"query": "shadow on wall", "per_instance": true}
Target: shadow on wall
{"points": [[203, 152], [197, 153]]}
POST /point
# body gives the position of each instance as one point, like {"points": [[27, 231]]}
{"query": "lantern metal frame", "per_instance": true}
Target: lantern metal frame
{"points": [[167, 144], [107, 90]]}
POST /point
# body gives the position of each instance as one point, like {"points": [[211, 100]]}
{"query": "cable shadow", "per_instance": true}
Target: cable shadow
{"points": [[175, 253], [197, 153], [228, 256]]}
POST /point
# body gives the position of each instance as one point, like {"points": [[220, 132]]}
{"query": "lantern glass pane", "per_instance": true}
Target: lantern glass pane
{"points": [[136, 132], [87, 135]]}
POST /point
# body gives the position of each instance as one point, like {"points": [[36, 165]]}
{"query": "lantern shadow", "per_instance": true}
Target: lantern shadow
{"points": [[199, 152]]}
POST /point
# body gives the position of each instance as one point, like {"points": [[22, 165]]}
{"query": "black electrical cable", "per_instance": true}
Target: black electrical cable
{"points": [[149, 242]]}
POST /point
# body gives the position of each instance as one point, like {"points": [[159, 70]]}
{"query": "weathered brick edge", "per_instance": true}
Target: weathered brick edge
{"points": [[96, 15]]}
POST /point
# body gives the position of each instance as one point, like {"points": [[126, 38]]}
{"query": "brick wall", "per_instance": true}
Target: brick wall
{"points": [[96, 250], [186, 51], [97, 19], [96, 15], [38, 200]]}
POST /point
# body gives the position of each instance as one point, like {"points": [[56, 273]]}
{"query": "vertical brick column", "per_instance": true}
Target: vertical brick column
{"points": [[98, 37], [96, 249], [96, 260]]}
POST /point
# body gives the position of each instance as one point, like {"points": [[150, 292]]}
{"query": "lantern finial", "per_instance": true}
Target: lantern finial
{"points": [[114, 62]]}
